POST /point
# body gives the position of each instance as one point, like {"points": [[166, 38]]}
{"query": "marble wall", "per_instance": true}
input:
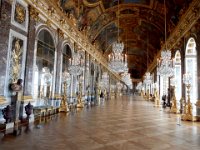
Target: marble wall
{"points": [[5, 26]]}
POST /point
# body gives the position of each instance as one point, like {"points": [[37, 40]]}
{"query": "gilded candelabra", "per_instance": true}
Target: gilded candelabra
{"points": [[105, 94], [173, 97], [187, 79], [174, 102], [157, 98], [79, 99], [188, 107], [64, 104]]}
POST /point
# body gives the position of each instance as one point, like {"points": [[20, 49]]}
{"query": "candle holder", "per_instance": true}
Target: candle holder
{"points": [[174, 108], [64, 105], [157, 98], [79, 98], [66, 81], [187, 115]]}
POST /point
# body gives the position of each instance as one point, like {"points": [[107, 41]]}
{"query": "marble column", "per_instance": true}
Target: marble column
{"points": [[198, 73], [58, 73]]}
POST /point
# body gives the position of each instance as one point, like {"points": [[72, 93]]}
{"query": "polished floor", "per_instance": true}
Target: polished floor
{"points": [[125, 123]]}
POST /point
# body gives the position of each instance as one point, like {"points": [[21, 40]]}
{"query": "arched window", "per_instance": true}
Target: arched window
{"points": [[178, 78], [44, 65], [191, 67]]}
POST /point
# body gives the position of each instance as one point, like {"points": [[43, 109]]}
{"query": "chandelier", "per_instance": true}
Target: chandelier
{"points": [[66, 77], [104, 81], [126, 78], [148, 78], [165, 65], [139, 86], [76, 63], [187, 79], [118, 61]]}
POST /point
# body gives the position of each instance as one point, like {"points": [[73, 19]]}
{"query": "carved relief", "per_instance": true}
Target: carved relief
{"points": [[60, 33], [20, 13], [16, 60]]}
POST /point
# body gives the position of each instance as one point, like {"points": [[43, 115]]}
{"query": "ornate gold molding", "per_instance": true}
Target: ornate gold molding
{"points": [[26, 98], [68, 28], [57, 96], [2, 100], [34, 14]]}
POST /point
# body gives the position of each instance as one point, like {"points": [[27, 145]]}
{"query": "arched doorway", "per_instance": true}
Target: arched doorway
{"points": [[44, 68], [191, 67]]}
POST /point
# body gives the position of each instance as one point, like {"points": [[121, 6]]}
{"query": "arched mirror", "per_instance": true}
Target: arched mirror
{"points": [[66, 55], [44, 67]]}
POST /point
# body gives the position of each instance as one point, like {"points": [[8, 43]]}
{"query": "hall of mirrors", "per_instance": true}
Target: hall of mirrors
{"points": [[61, 56]]}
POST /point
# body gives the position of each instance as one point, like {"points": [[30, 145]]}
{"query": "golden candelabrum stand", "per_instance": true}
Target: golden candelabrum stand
{"points": [[105, 94], [79, 99], [188, 107], [147, 95], [187, 114], [174, 108], [64, 105], [157, 98]]}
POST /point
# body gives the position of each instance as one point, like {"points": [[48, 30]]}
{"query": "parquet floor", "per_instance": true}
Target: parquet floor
{"points": [[125, 123]]}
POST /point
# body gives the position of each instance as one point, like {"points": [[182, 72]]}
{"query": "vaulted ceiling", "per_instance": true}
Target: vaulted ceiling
{"points": [[140, 24]]}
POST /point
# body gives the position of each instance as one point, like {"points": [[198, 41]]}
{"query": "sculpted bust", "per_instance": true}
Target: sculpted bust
{"points": [[16, 87]]}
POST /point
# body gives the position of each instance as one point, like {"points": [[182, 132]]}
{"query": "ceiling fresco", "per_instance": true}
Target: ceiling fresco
{"points": [[141, 25]]}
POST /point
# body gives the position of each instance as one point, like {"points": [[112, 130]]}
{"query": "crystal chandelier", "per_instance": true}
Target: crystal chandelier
{"points": [[104, 81], [76, 63], [126, 78], [139, 86], [118, 61], [187, 79], [148, 78], [66, 77], [165, 65]]}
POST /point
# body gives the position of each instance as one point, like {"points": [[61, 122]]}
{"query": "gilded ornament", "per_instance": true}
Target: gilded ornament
{"points": [[48, 23], [60, 33], [20, 13], [51, 11], [62, 22], [34, 14]]}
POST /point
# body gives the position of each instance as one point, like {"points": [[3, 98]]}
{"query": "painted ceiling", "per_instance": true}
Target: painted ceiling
{"points": [[140, 24]]}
